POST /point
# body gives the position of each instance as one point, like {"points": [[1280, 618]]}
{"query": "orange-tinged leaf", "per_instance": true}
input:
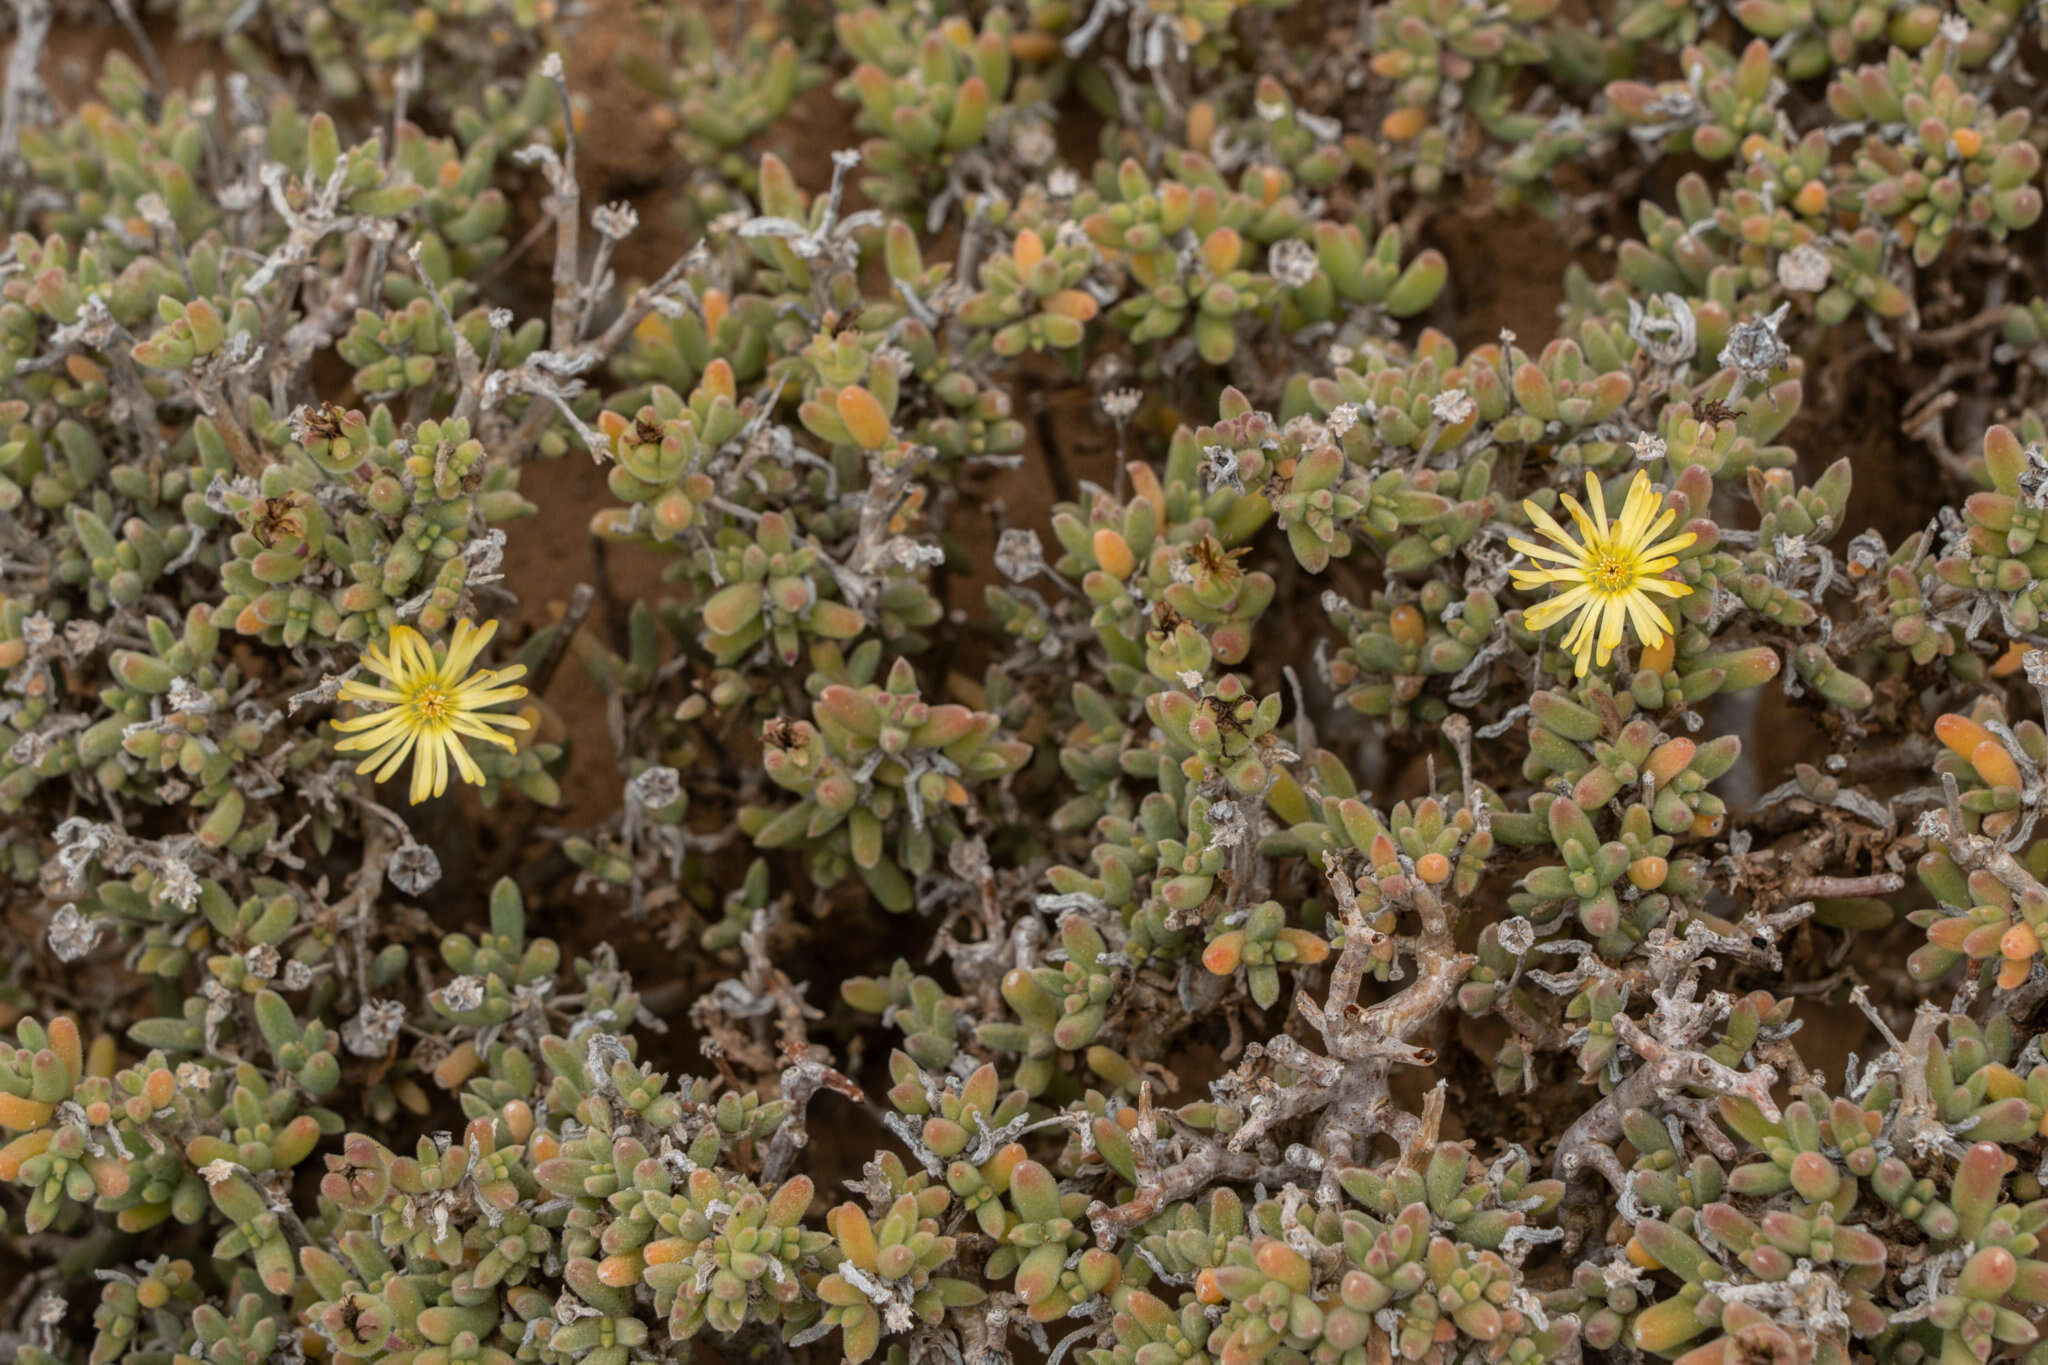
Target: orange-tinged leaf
{"points": [[1145, 484], [19, 1113], [110, 1176], [1113, 553], [458, 1066], [1961, 734], [1309, 949], [856, 1236], [1028, 251], [1221, 250], [22, 1148], [862, 412], [1406, 625], [2002, 1083], [1223, 955], [1404, 123], [1995, 765], [620, 1272], [159, 1087], [1669, 759], [718, 379], [1077, 304], [667, 1251], [65, 1042]]}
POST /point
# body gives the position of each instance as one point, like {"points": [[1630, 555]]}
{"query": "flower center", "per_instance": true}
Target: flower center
{"points": [[432, 705], [1610, 570]]}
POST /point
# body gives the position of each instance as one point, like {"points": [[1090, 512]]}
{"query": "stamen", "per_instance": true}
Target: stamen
{"points": [[1612, 572], [432, 705]]}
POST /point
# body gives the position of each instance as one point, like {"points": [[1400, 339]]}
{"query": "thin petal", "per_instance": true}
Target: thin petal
{"points": [[1651, 529], [380, 663], [1530, 580], [399, 644], [1580, 643], [1597, 500], [1665, 586], [483, 722], [473, 727], [1671, 546], [494, 696], [1651, 628], [424, 782], [1547, 525], [465, 764], [1544, 614], [353, 690], [509, 674], [1656, 614], [391, 758], [371, 721], [1588, 530], [418, 654], [1637, 509], [1583, 630], [1613, 625], [376, 741], [1535, 551], [469, 642]]}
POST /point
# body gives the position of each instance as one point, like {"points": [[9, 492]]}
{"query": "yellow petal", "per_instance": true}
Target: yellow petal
{"points": [[1588, 531], [1535, 551], [1651, 627], [1637, 509], [469, 642], [1531, 580], [371, 721], [465, 764], [1612, 626], [477, 699], [429, 777], [391, 757], [1581, 637], [1544, 614], [1597, 500], [1651, 529], [474, 727], [1671, 546], [352, 690], [1547, 524]]}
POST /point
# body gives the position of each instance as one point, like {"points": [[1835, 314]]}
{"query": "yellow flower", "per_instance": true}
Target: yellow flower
{"points": [[430, 707], [1611, 575]]}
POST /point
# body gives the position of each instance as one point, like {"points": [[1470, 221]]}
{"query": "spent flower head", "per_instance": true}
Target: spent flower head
{"points": [[1609, 577], [429, 705]]}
